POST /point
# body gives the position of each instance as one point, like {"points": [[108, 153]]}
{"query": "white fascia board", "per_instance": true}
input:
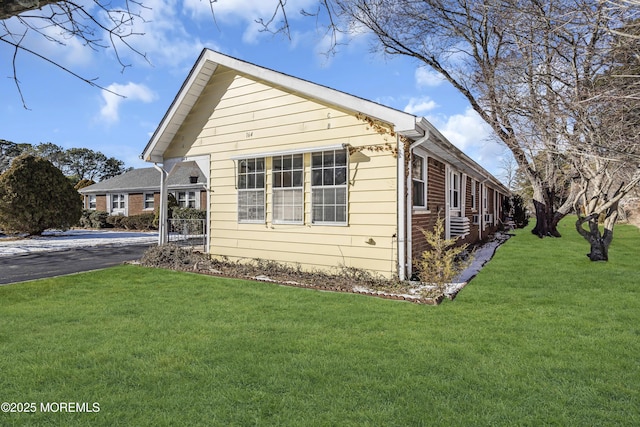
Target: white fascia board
{"points": [[183, 102], [403, 122], [206, 65]]}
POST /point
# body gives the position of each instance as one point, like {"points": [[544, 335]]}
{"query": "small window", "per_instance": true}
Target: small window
{"points": [[474, 203], [418, 181], [91, 204], [186, 199], [288, 196], [149, 201], [117, 202], [485, 205], [455, 191], [251, 174], [329, 172]]}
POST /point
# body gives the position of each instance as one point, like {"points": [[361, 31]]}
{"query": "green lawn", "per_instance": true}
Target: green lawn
{"points": [[542, 336]]}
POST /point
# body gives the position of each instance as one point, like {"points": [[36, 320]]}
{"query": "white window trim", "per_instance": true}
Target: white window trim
{"points": [[474, 196], [254, 190], [144, 201], [275, 190], [119, 210], [91, 197], [345, 186], [196, 198], [425, 176], [453, 189]]}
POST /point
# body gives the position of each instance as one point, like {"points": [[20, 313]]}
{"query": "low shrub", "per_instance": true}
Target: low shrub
{"points": [[188, 213], [440, 264], [85, 221], [138, 222], [98, 219], [115, 221]]}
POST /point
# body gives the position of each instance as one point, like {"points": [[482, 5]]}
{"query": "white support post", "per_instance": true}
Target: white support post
{"points": [[163, 236]]}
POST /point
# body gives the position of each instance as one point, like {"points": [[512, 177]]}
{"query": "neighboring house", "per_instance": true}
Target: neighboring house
{"points": [[138, 191], [301, 173]]}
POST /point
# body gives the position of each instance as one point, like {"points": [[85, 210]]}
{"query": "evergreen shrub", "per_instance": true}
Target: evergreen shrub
{"points": [[36, 196]]}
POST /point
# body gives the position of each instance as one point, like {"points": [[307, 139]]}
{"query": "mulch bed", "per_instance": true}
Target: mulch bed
{"points": [[349, 280]]}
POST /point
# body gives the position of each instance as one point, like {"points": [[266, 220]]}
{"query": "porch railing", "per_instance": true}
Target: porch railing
{"points": [[190, 233]]}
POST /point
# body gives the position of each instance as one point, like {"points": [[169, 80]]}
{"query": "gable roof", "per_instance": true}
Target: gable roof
{"points": [[411, 126], [207, 64], [148, 179]]}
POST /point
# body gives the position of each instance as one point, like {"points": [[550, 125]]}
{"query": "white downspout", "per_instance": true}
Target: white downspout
{"points": [[164, 194], [402, 226]]}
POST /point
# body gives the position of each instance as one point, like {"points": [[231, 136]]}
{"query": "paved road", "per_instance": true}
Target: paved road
{"points": [[39, 265]]}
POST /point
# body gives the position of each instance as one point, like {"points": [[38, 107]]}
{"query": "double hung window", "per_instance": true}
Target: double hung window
{"points": [[474, 203], [149, 201], [288, 191], [118, 204], [186, 199], [329, 187], [92, 202], [251, 182], [418, 181], [455, 190]]}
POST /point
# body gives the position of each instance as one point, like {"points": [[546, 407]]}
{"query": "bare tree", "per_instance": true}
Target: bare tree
{"points": [[97, 25], [527, 68], [608, 160]]}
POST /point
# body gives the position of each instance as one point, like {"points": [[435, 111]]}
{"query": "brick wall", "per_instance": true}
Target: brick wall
{"points": [[101, 202], [136, 204]]}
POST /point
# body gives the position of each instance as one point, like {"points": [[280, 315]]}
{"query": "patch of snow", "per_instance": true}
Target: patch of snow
{"points": [[56, 240], [481, 256]]}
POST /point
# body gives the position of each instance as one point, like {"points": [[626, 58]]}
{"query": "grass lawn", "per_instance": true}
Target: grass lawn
{"points": [[542, 336]]}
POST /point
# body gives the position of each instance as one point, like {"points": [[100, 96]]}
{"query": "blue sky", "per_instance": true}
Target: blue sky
{"points": [[68, 112]]}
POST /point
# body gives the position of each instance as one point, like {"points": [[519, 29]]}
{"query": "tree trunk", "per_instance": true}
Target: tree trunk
{"points": [[599, 249], [546, 221], [547, 217], [599, 242]]}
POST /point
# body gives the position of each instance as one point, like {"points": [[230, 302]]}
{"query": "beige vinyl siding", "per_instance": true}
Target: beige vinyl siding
{"points": [[236, 115]]}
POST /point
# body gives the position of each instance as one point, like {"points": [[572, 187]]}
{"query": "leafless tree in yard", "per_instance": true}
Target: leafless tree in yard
{"points": [[608, 160], [531, 71]]}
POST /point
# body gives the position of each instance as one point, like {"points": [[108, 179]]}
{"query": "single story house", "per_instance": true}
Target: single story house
{"points": [[138, 191], [301, 173]]}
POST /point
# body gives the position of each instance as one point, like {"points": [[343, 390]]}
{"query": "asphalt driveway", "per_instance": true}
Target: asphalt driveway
{"points": [[38, 265]]}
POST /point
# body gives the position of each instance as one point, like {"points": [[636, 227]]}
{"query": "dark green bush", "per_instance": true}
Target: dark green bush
{"points": [[35, 196], [138, 222], [520, 214], [188, 213]]}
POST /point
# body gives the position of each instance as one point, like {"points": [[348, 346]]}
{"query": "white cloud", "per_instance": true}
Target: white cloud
{"points": [[474, 137], [51, 42], [131, 92], [425, 77], [162, 35], [419, 106], [247, 12]]}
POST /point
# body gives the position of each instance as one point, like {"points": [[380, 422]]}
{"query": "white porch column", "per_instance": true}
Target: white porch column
{"points": [[163, 236]]}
